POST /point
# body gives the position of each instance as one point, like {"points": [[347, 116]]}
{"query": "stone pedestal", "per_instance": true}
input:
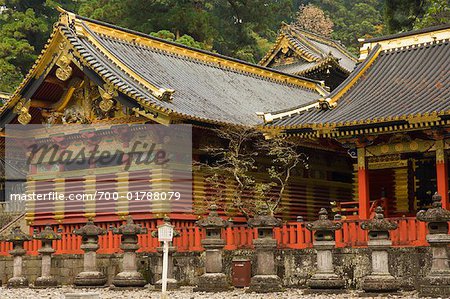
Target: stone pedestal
{"points": [[213, 280], [266, 279], [324, 243], [17, 238], [437, 282], [47, 236], [325, 278], [129, 277], [380, 280], [90, 277]]}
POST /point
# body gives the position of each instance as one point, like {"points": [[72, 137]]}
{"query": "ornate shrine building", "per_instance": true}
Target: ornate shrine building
{"points": [[95, 73], [297, 51], [379, 137], [392, 114]]}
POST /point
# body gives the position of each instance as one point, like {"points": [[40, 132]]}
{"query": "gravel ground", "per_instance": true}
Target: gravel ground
{"points": [[183, 293]]}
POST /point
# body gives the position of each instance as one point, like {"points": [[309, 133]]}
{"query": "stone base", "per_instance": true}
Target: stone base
{"points": [[435, 286], [379, 284], [213, 282], [82, 296], [90, 279], [17, 282], [265, 284], [172, 284], [325, 281], [324, 291], [129, 279], [378, 294], [45, 281]]}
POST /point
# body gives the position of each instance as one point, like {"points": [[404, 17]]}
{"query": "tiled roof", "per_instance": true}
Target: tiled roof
{"points": [[315, 47], [409, 33], [203, 90], [391, 85], [207, 87]]}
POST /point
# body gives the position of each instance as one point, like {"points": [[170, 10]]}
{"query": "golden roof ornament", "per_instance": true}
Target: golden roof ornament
{"points": [[64, 70], [107, 93], [22, 109]]}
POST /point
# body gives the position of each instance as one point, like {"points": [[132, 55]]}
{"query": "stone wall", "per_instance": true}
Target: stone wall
{"points": [[294, 266]]}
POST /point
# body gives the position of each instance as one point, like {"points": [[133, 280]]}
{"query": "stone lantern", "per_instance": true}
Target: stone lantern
{"points": [[214, 280], [266, 278], [17, 238], [90, 277], [129, 277], [172, 283], [437, 282], [324, 242], [47, 236], [380, 280]]}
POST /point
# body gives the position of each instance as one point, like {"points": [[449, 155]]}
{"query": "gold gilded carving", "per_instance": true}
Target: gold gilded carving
{"points": [[73, 116], [417, 145], [107, 93], [440, 152], [388, 164], [361, 158], [414, 145], [165, 94], [64, 70], [24, 116], [105, 106], [52, 118], [398, 147], [22, 109]]}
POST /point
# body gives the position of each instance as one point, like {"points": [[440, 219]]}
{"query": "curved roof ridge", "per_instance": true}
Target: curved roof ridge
{"points": [[200, 51], [360, 69], [312, 47], [334, 96], [331, 42], [409, 33], [417, 46]]}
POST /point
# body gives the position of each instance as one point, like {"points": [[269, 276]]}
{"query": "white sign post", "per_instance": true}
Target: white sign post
{"points": [[165, 235]]}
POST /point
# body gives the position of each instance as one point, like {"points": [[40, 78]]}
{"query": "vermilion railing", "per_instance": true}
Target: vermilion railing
{"points": [[292, 235]]}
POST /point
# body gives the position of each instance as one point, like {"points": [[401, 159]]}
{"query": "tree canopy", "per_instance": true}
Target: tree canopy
{"points": [[243, 29]]}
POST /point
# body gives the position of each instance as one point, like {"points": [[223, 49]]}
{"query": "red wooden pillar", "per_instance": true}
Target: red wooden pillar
{"points": [[363, 185], [442, 173]]}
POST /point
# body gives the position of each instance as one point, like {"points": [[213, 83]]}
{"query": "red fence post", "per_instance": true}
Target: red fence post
{"points": [[229, 239]]}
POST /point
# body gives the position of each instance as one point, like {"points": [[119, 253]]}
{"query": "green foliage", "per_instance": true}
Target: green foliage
{"points": [[400, 15], [189, 41], [354, 19], [232, 27], [22, 34], [437, 12], [164, 34], [25, 27], [186, 40]]}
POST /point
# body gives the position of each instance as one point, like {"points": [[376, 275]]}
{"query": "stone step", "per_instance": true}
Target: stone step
{"points": [[82, 296]]}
